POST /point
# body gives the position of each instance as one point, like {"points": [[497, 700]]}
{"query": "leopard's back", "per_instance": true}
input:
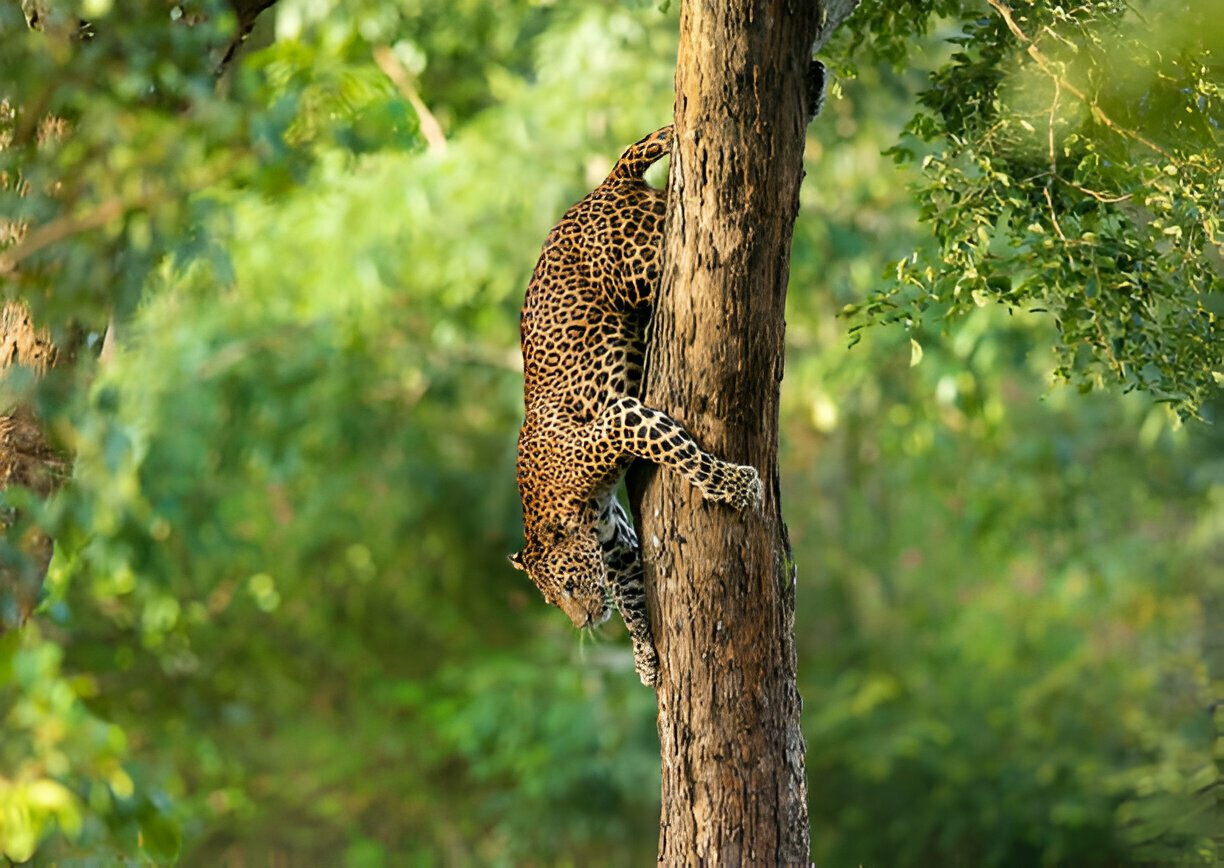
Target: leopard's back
{"points": [[584, 318]]}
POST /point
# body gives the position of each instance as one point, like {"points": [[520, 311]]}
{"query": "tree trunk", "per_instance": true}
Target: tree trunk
{"points": [[26, 459], [721, 583]]}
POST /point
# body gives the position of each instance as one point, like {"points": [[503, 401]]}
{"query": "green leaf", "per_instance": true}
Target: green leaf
{"points": [[160, 836]]}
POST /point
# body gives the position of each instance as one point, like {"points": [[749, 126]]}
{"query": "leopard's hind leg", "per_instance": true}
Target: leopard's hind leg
{"points": [[624, 562]]}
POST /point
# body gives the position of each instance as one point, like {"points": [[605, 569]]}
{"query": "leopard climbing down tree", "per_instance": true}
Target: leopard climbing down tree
{"points": [[583, 334]]}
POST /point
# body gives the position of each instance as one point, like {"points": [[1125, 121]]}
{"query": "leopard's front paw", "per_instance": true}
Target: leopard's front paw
{"points": [[740, 487], [748, 489]]}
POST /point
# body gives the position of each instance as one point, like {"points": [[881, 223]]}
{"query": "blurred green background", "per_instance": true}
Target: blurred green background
{"points": [[280, 628]]}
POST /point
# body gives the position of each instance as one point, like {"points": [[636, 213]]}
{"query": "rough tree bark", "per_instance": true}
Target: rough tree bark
{"points": [[720, 583]]}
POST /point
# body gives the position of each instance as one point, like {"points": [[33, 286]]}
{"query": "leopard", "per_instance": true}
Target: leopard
{"points": [[583, 332], [583, 339]]}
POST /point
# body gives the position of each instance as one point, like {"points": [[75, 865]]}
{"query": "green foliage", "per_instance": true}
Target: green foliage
{"points": [[332, 101], [327, 488], [280, 627], [64, 767], [105, 140], [1043, 686], [1006, 594], [1071, 160]]}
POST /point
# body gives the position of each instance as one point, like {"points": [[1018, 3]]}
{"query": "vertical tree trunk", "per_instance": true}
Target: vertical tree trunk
{"points": [[721, 583], [26, 459]]}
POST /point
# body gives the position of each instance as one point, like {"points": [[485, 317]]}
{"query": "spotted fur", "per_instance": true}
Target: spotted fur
{"points": [[583, 331]]}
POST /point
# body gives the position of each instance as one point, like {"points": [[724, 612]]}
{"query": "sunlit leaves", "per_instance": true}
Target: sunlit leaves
{"points": [[59, 763], [1072, 165], [111, 137], [334, 102]]}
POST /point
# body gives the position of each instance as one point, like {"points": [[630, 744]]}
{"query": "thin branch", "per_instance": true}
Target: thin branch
{"points": [[394, 70], [1100, 197], [832, 13], [1053, 158], [246, 12], [1050, 118], [59, 229], [1053, 215]]}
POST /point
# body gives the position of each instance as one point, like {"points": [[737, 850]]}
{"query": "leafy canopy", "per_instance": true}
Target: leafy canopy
{"points": [[1072, 164]]}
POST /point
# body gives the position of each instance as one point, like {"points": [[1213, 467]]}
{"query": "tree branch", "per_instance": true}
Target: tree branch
{"points": [[394, 70], [832, 14], [246, 11], [59, 229]]}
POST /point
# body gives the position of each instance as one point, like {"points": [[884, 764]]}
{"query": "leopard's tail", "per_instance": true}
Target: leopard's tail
{"points": [[641, 156]]}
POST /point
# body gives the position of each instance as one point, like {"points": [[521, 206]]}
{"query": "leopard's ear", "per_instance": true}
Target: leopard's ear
{"points": [[516, 560]]}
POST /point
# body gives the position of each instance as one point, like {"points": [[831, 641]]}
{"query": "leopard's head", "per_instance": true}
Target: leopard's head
{"points": [[568, 569]]}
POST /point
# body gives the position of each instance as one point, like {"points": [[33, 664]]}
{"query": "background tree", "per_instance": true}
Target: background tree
{"points": [[30, 457]]}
